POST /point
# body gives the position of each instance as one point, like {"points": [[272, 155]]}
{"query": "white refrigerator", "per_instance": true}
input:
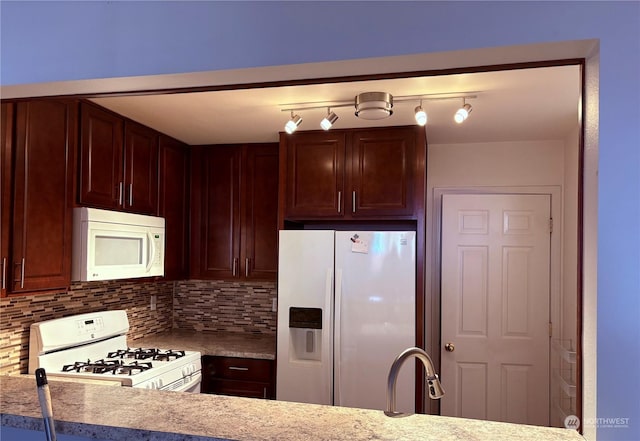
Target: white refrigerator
{"points": [[346, 309]]}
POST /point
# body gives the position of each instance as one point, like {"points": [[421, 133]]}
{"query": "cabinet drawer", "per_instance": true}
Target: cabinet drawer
{"points": [[250, 389], [246, 369]]}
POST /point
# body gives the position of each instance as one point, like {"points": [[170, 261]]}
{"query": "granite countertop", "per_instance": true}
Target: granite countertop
{"points": [[98, 412], [227, 344]]}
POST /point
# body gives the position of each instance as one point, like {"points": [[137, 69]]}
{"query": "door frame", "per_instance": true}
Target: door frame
{"points": [[433, 239]]}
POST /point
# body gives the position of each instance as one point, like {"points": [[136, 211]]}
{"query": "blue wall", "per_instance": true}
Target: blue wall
{"points": [[50, 41]]}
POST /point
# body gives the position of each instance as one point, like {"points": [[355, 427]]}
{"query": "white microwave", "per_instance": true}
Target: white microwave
{"points": [[110, 245]]}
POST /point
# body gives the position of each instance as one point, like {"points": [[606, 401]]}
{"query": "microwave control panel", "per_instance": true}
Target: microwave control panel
{"points": [[158, 240]]}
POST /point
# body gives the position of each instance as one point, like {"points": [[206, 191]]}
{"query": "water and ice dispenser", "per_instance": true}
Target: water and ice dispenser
{"points": [[305, 331]]}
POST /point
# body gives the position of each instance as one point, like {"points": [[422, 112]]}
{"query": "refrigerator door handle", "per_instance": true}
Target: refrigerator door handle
{"points": [[337, 344]]}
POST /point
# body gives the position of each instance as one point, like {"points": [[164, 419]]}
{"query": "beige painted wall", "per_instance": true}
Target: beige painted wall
{"points": [[517, 163]]}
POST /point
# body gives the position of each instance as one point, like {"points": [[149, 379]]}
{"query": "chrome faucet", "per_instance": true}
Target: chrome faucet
{"points": [[433, 383]]}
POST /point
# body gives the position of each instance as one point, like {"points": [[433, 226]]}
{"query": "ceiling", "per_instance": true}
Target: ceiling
{"points": [[524, 104]]}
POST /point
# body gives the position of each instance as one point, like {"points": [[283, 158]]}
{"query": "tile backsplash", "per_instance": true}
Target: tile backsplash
{"points": [[231, 306], [193, 304]]}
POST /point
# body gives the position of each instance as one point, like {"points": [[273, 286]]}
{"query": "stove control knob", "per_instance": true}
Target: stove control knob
{"points": [[160, 383]]}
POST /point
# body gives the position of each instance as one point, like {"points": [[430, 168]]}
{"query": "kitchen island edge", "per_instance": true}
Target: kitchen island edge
{"points": [[98, 412]]}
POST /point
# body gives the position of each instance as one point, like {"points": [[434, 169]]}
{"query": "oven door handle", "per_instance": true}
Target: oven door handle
{"points": [[193, 385]]}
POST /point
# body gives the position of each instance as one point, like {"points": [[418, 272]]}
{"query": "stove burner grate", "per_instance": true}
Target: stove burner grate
{"points": [[108, 367], [144, 354]]}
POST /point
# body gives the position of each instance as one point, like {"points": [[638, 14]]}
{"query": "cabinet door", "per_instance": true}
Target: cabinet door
{"points": [[248, 389], [382, 164], [260, 212], [218, 216], [43, 195], [141, 169], [173, 205], [100, 158], [244, 377], [6, 135], [315, 178]]}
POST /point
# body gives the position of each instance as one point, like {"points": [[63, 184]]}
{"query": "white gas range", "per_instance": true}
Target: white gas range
{"points": [[94, 346]]}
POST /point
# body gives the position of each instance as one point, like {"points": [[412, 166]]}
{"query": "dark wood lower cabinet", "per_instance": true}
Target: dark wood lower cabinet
{"points": [[241, 377]]}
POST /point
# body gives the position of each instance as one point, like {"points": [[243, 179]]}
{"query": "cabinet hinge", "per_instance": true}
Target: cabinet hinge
{"points": [[550, 329], [550, 225]]}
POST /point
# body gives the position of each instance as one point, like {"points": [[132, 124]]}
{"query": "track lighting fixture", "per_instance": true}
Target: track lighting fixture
{"points": [[292, 125], [420, 115], [329, 120], [463, 112], [374, 106]]}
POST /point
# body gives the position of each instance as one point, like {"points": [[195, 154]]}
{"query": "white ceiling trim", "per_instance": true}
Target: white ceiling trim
{"points": [[368, 66]]}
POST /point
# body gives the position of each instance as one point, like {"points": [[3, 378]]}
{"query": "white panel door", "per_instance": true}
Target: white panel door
{"points": [[495, 307], [305, 280], [375, 317]]}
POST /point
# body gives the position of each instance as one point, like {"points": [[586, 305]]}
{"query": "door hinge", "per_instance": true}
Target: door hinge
{"points": [[550, 225], [550, 329]]}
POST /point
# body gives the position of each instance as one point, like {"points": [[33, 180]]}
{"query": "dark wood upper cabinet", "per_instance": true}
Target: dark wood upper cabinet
{"points": [[44, 153], [315, 176], [101, 138], [118, 162], [234, 211], [6, 138], [140, 169], [344, 174], [259, 207], [218, 225], [173, 205], [382, 167]]}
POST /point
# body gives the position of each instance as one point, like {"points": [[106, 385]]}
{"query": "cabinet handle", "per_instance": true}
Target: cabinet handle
{"points": [[353, 201], [4, 273], [22, 275], [131, 195], [233, 266], [120, 190], [246, 267], [237, 368], [339, 201]]}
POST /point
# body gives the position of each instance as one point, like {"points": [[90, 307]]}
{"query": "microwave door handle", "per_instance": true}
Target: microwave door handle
{"points": [[152, 251]]}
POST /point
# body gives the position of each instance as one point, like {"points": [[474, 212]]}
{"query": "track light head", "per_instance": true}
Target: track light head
{"points": [[292, 125], [463, 113], [329, 120], [421, 115]]}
